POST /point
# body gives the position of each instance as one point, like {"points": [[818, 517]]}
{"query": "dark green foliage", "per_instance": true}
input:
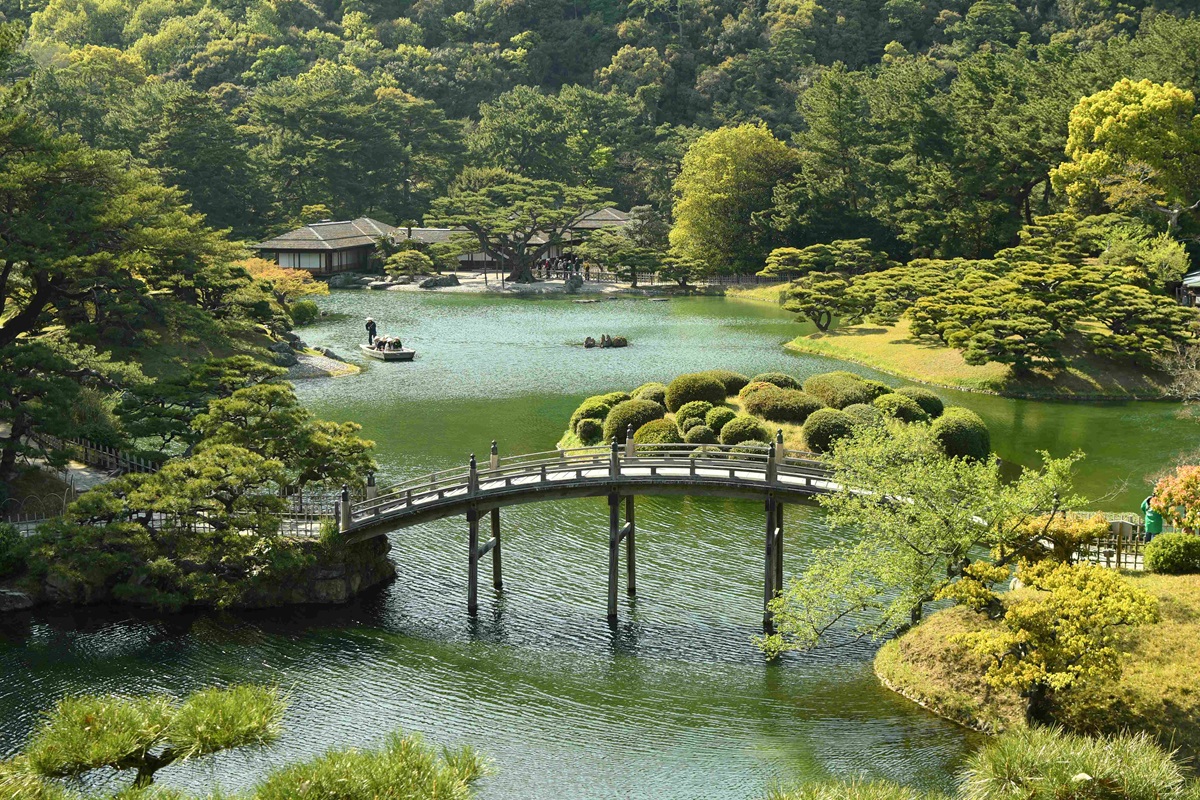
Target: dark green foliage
{"points": [[304, 312], [596, 407], [826, 426], [689, 423], [733, 381], [929, 402], [863, 414], [717, 417], [654, 392], [782, 405], [841, 389], [659, 431], [696, 409], [743, 429], [700, 434], [897, 406], [782, 380], [1174, 554], [634, 413], [694, 386], [590, 431], [13, 550], [755, 386], [963, 434]]}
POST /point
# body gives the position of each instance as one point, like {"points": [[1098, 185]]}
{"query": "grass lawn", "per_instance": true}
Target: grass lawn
{"points": [[1158, 691], [765, 293], [892, 350]]}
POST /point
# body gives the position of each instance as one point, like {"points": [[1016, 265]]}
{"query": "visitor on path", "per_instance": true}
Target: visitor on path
{"points": [[370, 331], [1153, 519]]}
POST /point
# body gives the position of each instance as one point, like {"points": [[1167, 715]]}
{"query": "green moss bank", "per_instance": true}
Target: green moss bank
{"points": [[1156, 692]]}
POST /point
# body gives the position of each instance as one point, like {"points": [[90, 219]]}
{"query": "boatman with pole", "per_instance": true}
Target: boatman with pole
{"points": [[370, 331]]}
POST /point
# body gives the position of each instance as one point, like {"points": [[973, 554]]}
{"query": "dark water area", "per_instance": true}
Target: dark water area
{"points": [[674, 702]]}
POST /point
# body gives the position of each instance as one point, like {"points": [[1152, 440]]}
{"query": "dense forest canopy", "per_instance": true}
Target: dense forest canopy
{"points": [[930, 127]]}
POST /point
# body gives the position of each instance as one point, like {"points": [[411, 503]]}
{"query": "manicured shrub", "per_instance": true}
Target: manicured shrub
{"points": [[13, 549], [304, 312], [897, 406], [689, 423], [826, 426], [717, 418], [744, 429], [929, 402], [733, 381], [700, 434], [754, 448], [693, 410], [780, 379], [863, 414], [962, 434], [654, 392], [658, 431], [1174, 554], [755, 386], [596, 407], [841, 389], [694, 386], [783, 405], [589, 431], [630, 412]]}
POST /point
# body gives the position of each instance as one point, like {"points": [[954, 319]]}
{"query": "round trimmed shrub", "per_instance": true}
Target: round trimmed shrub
{"points": [[744, 429], [962, 434], [755, 386], [688, 424], [897, 406], [631, 412], [929, 402], [694, 386], [693, 410], [596, 407], [752, 448], [783, 405], [700, 434], [304, 312], [654, 392], [825, 427], [1174, 554], [733, 381], [717, 418], [863, 414], [589, 431], [780, 379], [841, 389], [658, 431]]}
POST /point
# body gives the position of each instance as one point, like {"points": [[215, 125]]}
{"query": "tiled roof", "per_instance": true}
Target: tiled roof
{"points": [[428, 235], [604, 218], [360, 232]]}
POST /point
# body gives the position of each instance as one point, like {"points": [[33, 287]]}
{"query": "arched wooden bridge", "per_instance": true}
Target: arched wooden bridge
{"points": [[771, 473]]}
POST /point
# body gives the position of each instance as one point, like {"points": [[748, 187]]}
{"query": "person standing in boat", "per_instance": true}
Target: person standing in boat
{"points": [[370, 331]]}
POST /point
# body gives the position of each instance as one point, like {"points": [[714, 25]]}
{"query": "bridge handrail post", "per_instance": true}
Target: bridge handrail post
{"points": [[614, 460], [472, 476], [344, 510], [780, 450], [630, 447], [494, 460], [771, 464], [372, 489]]}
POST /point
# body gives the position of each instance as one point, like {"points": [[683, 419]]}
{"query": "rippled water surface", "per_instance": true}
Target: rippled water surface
{"points": [[672, 703]]}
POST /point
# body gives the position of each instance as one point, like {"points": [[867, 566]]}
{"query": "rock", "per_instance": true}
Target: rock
{"points": [[294, 341], [12, 600], [589, 342], [573, 284], [325, 351], [379, 285], [287, 359], [619, 341], [279, 347], [439, 281], [402, 280]]}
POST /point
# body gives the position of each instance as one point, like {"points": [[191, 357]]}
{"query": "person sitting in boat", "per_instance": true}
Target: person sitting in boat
{"points": [[380, 342]]}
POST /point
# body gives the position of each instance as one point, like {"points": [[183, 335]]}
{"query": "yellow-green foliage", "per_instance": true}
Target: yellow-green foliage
{"points": [[1177, 497]]}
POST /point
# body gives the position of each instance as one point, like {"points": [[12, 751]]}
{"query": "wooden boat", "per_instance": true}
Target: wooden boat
{"points": [[401, 354]]}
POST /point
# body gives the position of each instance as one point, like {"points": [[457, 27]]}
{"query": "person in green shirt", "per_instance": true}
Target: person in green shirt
{"points": [[1153, 519]]}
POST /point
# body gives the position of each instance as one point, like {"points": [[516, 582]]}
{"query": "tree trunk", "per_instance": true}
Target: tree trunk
{"points": [[1038, 706], [823, 320], [522, 272]]}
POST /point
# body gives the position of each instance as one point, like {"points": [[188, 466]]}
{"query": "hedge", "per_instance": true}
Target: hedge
{"points": [[654, 392], [717, 418], [1174, 554], [825, 427], [694, 386], [744, 429], [688, 423], [696, 409], [897, 406], [658, 431], [755, 386], [596, 407], [863, 414], [929, 402], [783, 405], [631, 412], [732, 381], [700, 434], [590, 431], [780, 379], [841, 389], [962, 434]]}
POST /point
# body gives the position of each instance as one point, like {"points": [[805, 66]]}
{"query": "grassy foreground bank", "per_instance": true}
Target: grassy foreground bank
{"points": [[1156, 693]]}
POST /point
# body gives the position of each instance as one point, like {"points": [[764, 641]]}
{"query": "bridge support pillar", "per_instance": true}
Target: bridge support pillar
{"points": [[614, 542], [778, 546], [630, 550], [497, 578], [473, 560], [769, 564]]}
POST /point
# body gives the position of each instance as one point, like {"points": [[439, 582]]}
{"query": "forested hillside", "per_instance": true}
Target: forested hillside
{"points": [[929, 126]]}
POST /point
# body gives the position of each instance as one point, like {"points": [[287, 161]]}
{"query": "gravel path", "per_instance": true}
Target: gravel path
{"points": [[320, 367]]}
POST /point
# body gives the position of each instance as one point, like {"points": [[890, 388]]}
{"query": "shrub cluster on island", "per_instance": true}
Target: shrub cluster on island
{"points": [[723, 407]]}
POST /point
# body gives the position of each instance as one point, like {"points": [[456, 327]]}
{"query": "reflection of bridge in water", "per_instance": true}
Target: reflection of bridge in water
{"points": [[771, 473]]}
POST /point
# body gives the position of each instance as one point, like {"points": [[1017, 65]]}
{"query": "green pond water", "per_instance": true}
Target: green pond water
{"points": [[674, 702]]}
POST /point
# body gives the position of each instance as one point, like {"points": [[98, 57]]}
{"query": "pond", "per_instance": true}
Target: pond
{"points": [[672, 702]]}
